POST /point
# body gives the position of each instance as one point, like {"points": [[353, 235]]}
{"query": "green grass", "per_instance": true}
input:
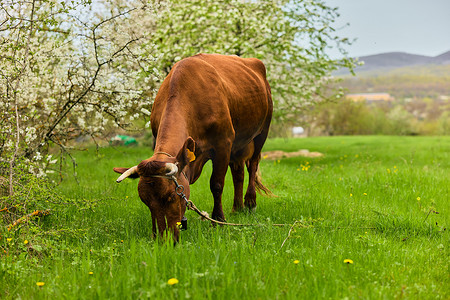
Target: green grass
{"points": [[359, 202]]}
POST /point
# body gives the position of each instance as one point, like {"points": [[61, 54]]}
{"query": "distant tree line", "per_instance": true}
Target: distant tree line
{"points": [[347, 117]]}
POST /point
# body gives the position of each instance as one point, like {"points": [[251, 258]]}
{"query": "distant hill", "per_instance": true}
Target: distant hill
{"points": [[394, 60], [443, 59]]}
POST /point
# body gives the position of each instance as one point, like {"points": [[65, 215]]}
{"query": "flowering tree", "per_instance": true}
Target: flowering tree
{"points": [[62, 77], [290, 36]]}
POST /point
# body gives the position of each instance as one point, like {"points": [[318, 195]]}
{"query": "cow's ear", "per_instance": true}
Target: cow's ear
{"points": [[186, 154], [123, 170]]}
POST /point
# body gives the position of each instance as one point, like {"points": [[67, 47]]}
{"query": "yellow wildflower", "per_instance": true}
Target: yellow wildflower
{"points": [[25, 242], [418, 198], [351, 195], [179, 224], [296, 261], [172, 281], [9, 239], [348, 261], [365, 194], [40, 283]]}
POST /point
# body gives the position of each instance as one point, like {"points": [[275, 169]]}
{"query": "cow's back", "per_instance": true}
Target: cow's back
{"points": [[220, 97]]}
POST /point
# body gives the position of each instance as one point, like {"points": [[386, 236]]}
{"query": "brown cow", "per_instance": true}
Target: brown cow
{"points": [[209, 107]]}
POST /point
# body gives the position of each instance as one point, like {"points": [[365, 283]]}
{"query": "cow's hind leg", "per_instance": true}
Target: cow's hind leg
{"points": [[237, 170], [252, 167]]}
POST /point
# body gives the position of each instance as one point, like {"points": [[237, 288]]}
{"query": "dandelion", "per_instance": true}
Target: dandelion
{"points": [[305, 167], [351, 195], [91, 273], [9, 239], [348, 261], [418, 198], [365, 194], [179, 224], [40, 283], [172, 281], [296, 261], [25, 242]]}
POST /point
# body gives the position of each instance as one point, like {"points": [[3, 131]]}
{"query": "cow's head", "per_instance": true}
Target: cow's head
{"points": [[158, 191]]}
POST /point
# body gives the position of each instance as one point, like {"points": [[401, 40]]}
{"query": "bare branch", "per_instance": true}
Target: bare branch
{"points": [[26, 62]]}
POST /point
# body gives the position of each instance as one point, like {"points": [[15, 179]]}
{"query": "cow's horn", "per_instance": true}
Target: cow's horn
{"points": [[171, 169], [127, 173]]}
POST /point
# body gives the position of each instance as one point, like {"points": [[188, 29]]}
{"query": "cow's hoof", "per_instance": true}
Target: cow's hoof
{"points": [[237, 209], [218, 218]]}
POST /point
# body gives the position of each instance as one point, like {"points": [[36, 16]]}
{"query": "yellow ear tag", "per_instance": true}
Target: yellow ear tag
{"points": [[190, 155]]}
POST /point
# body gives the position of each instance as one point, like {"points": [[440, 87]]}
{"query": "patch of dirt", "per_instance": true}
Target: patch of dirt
{"points": [[278, 154]]}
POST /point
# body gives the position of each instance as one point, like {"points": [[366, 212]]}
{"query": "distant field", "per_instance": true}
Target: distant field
{"points": [[407, 82], [382, 202]]}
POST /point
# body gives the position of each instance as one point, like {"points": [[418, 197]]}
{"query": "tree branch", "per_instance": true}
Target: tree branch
{"points": [[26, 62]]}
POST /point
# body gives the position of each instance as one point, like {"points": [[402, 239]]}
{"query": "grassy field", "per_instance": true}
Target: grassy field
{"points": [[382, 202]]}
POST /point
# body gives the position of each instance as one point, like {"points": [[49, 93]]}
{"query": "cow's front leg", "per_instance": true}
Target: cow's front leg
{"points": [[220, 166]]}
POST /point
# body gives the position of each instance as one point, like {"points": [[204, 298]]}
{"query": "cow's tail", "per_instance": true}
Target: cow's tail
{"points": [[260, 186]]}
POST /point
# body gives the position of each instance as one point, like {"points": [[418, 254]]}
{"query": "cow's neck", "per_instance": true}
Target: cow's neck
{"points": [[172, 133]]}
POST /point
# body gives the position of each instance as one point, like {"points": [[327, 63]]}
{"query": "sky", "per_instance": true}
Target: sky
{"points": [[380, 26]]}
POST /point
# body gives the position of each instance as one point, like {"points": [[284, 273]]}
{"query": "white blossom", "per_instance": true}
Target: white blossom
{"points": [[145, 111]]}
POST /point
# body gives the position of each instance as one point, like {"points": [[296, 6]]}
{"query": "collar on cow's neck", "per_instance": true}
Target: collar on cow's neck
{"points": [[165, 153]]}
